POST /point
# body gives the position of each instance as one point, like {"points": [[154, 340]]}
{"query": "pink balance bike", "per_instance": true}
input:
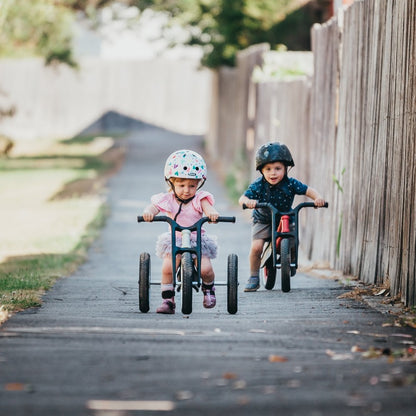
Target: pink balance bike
{"points": [[188, 273], [281, 252]]}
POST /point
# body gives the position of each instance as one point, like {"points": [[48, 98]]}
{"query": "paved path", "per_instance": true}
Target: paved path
{"points": [[88, 348]]}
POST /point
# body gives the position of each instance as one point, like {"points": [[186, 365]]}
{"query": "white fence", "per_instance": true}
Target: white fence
{"points": [[61, 102]]}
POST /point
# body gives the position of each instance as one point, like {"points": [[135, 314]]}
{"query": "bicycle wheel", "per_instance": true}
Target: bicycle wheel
{"points": [[269, 274], [144, 282], [232, 284], [187, 272], [285, 264]]}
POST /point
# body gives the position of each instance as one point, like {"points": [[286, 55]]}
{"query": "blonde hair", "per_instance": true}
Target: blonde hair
{"points": [[171, 182]]}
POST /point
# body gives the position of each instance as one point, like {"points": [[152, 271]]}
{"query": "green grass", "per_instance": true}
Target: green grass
{"points": [[24, 280], [44, 239]]}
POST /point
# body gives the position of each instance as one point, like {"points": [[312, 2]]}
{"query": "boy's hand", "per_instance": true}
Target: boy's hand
{"points": [[251, 203], [319, 202]]}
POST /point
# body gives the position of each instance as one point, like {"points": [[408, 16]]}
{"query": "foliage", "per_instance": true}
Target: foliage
{"points": [[36, 27], [42, 27], [220, 27], [223, 27]]}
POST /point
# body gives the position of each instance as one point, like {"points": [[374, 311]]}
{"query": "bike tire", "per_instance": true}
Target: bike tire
{"points": [[285, 264], [269, 274], [232, 284], [144, 282], [187, 273]]}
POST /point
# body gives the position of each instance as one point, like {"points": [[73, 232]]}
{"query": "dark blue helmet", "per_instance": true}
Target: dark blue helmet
{"points": [[273, 152]]}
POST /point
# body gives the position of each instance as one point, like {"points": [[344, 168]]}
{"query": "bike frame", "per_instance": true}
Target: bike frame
{"points": [[186, 246], [186, 241], [283, 230]]}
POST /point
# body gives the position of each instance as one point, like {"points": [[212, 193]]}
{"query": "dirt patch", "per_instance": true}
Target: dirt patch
{"points": [[114, 157]]}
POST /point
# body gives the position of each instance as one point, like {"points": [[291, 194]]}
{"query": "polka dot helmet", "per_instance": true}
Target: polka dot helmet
{"points": [[185, 164]]}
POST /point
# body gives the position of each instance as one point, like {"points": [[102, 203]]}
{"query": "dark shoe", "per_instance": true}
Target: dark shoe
{"points": [[253, 284], [167, 306], [209, 298]]}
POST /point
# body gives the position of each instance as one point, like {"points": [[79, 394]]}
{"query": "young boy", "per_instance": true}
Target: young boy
{"points": [[274, 186]]}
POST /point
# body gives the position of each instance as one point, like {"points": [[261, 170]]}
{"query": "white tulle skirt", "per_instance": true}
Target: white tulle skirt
{"points": [[209, 245]]}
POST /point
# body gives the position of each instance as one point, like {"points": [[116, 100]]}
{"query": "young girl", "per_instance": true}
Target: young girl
{"points": [[274, 186], [185, 172]]}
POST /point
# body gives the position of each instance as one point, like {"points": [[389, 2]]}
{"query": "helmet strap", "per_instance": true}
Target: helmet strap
{"points": [[201, 183], [179, 211]]}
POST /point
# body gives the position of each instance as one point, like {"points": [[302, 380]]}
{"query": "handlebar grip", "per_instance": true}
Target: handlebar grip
{"points": [[244, 206], [225, 219], [160, 218]]}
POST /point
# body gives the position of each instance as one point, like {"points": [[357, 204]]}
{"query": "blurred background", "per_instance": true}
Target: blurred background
{"points": [[68, 66], [77, 75]]}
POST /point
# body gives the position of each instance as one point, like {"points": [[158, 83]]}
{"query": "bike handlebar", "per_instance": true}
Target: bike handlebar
{"points": [[275, 210], [164, 218]]}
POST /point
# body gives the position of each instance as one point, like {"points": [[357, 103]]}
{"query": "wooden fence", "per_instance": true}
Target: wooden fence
{"points": [[57, 101], [352, 130]]}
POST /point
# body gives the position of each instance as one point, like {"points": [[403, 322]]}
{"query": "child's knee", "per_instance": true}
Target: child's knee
{"points": [[257, 247]]}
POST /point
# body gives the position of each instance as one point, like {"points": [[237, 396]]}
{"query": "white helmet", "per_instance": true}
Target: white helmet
{"points": [[185, 164]]}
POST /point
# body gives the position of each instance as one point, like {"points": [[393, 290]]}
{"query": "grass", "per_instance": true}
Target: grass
{"points": [[52, 209]]}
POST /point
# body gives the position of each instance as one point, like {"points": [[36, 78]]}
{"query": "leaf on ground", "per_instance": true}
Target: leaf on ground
{"points": [[277, 358], [339, 357], [4, 315], [356, 348], [15, 387], [229, 376]]}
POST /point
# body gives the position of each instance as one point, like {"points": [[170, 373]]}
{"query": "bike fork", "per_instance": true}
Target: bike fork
{"points": [[284, 227], [186, 243]]}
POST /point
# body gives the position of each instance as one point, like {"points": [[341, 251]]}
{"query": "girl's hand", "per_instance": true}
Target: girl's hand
{"points": [[148, 216], [209, 210], [213, 216], [150, 212]]}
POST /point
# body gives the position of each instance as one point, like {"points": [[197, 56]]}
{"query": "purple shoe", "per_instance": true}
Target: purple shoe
{"points": [[209, 298], [167, 306]]}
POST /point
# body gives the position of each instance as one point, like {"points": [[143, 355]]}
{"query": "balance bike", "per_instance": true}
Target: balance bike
{"points": [[281, 252]]}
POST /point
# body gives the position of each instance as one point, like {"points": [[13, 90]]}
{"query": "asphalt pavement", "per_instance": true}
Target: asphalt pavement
{"points": [[90, 351]]}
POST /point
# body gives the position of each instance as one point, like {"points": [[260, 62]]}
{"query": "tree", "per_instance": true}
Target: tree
{"points": [[220, 27], [41, 27], [223, 27]]}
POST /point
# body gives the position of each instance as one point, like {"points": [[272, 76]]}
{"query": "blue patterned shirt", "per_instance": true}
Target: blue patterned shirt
{"points": [[280, 195]]}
